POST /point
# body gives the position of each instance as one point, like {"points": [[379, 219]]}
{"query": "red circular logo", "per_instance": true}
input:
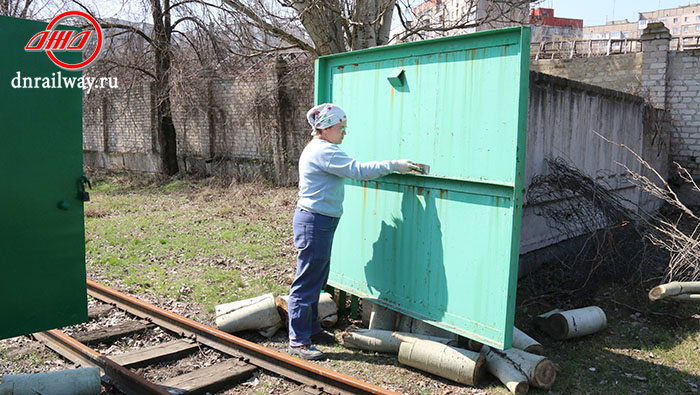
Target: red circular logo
{"points": [[89, 60]]}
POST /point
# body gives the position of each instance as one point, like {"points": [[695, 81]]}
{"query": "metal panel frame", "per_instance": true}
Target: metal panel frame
{"points": [[436, 306]]}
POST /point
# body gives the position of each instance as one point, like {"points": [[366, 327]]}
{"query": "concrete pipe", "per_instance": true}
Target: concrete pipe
{"points": [[84, 381], [259, 313], [456, 364]]}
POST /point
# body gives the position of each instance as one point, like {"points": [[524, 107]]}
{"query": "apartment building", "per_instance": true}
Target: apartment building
{"points": [[683, 22]]}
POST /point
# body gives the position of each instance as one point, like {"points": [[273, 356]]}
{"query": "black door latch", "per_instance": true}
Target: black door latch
{"points": [[83, 195]]}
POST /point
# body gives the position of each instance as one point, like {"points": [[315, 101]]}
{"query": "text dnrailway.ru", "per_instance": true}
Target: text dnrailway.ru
{"points": [[58, 81]]}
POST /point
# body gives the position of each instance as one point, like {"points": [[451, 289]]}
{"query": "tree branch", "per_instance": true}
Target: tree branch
{"points": [[240, 7]]}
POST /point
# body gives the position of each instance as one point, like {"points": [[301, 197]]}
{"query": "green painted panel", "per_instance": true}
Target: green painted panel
{"points": [[441, 247], [42, 247]]}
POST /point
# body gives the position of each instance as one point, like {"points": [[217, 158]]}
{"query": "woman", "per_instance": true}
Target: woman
{"points": [[323, 168]]}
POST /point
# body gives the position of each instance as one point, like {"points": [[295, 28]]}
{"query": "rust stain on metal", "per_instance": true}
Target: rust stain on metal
{"points": [[473, 51], [364, 195], [420, 190]]}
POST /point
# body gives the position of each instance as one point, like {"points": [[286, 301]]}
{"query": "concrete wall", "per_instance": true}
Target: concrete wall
{"points": [[618, 72], [562, 118], [669, 80]]}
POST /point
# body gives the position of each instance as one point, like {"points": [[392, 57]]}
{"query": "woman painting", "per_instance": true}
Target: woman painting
{"points": [[323, 167]]}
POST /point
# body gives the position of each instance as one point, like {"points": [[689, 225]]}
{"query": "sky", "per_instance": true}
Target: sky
{"points": [[593, 12], [597, 12]]}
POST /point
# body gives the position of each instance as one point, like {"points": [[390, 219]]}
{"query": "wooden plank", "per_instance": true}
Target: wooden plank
{"points": [[169, 351], [98, 311], [306, 390], [111, 333], [210, 379]]}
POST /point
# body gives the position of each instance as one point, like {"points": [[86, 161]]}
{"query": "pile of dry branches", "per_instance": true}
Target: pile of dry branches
{"points": [[679, 236], [617, 239], [606, 237]]}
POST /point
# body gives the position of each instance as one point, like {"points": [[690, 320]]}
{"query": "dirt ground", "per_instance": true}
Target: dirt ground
{"points": [[646, 348]]}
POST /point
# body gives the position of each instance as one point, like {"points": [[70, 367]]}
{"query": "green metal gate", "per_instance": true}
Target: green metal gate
{"points": [[42, 247], [443, 247]]}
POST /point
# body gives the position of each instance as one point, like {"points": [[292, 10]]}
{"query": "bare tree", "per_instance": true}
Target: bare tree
{"points": [[16, 8], [149, 50], [29, 8], [324, 27], [435, 18]]}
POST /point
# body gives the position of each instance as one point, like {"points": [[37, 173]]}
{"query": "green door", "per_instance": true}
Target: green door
{"points": [[441, 247], [42, 247]]}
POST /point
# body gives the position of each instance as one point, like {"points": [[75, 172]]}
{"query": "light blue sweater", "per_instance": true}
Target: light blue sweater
{"points": [[323, 168]]}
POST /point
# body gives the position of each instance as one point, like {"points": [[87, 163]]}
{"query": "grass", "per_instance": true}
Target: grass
{"points": [[190, 241], [202, 242]]}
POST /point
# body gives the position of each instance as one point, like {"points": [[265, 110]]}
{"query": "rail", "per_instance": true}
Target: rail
{"points": [[265, 358]]}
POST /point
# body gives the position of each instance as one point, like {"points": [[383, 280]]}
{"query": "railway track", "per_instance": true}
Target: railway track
{"points": [[243, 357]]}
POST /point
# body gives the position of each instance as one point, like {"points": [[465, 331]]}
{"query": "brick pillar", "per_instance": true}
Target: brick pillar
{"points": [[655, 44]]}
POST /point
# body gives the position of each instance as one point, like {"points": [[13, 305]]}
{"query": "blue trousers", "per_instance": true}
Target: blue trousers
{"points": [[313, 238]]}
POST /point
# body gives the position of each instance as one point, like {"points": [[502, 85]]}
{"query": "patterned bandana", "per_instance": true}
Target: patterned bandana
{"points": [[324, 116]]}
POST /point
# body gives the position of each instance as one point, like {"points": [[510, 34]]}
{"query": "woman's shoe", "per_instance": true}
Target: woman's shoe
{"points": [[308, 352]]}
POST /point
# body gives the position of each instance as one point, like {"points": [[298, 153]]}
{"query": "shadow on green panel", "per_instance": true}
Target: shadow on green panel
{"points": [[408, 256]]}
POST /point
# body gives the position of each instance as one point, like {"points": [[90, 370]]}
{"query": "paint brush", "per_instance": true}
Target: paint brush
{"points": [[422, 168]]}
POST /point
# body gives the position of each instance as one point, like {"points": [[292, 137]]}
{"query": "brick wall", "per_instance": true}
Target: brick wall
{"points": [[683, 101], [247, 126]]}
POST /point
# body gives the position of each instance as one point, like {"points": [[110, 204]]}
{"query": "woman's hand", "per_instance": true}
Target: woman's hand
{"points": [[403, 166]]}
